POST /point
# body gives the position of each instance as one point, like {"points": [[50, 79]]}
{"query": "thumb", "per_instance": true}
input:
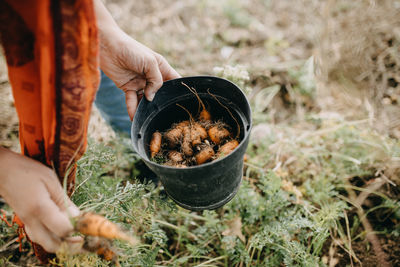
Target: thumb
{"points": [[131, 100], [167, 72], [59, 197], [154, 80]]}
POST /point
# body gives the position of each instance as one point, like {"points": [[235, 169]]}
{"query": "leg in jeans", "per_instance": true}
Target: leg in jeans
{"points": [[110, 100]]}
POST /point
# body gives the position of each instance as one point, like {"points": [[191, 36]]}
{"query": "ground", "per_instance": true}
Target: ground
{"points": [[321, 178]]}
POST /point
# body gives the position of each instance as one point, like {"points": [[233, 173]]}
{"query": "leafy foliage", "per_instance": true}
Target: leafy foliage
{"points": [[292, 202], [276, 225]]}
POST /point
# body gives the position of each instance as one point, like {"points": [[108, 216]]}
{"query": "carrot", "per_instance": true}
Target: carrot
{"points": [[106, 253], [227, 148], [186, 143], [196, 140], [204, 155], [175, 156], [202, 131], [102, 247], [155, 143], [217, 134], [182, 124], [175, 134], [227, 109], [197, 134], [204, 114], [96, 225]]}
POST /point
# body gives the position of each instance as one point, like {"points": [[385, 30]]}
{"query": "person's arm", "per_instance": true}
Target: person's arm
{"points": [[131, 65], [35, 194], [32, 189]]}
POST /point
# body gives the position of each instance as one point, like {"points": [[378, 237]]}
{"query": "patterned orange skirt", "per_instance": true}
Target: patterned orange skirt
{"points": [[51, 48]]}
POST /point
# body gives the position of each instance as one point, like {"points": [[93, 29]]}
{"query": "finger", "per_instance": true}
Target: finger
{"points": [[153, 79], [167, 72], [131, 100], [74, 244], [54, 220], [39, 234], [73, 239], [140, 95], [55, 189], [72, 211], [59, 197], [135, 84]]}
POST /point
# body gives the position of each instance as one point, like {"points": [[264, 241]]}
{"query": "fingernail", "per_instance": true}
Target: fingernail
{"points": [[151, 96], [73, 211]]}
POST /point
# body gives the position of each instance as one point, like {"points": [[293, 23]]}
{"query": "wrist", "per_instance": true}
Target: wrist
{"points": [[108, 29], [110, 36]]}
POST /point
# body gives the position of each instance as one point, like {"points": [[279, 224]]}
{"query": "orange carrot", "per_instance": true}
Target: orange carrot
{"points": [[204, 114], [198, 133], [204, 155], [96, 225], [182, 124], [227, 148], [175, 134], [175, 156], [186, 143], [106, 253], [217, 134], [101, 246], [227, 109], [155, 143]]}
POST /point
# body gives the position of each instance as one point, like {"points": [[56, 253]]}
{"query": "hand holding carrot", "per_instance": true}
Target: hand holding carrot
{"points": [[36, 196]]}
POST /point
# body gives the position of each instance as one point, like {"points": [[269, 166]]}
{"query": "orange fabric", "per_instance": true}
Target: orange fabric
{"points": [[51, 49]]}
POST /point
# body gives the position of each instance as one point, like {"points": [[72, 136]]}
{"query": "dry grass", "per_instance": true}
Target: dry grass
{"points": [[195, 35], [359, 57], [8, 116]]}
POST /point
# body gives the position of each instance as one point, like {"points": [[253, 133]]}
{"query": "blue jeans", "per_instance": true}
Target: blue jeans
{"points": [[110, 100]]}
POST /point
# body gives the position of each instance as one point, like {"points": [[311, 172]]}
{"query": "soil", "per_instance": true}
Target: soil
{"points": [[367, 256]]}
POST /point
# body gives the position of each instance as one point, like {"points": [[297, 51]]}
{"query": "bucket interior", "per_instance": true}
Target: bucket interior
{"points": [[172, 113]]}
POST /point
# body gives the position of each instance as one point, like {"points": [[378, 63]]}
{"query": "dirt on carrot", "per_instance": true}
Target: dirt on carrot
{"points": [[195, 141], [98, 235], [102, 247]]}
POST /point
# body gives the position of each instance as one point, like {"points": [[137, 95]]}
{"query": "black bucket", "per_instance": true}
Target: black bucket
{"points": [[210, 185]]}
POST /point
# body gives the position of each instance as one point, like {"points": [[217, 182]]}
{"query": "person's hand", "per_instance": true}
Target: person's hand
{"points": [[133, 67], [36, 196]]}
